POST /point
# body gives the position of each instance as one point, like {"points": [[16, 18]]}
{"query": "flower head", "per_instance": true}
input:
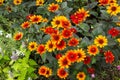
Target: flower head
{"points": [[113, 9], [62, 73], [58, 56], [53, 7], [109, 57], [32, 46], [64, 62], [41, 49], [18, 36], [25, 25], [50, 46], [104, 2], [81, 76], [92, 50], [100, 41], [87, 60], [66, 33], [39, 2], [36, 18], [61, 45], [113, 32], [71, 55], [73, 42], [81, 55], [17, 2], [1, 2]]}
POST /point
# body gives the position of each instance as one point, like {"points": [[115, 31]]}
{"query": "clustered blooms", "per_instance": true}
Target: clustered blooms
{"points": [[62, 37], [79, 16]]}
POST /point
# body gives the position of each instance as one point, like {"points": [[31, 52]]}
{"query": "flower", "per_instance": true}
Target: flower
{"points": [[32, 46], [113, 32], [79, 16], [56, 22], [53, 7], [109, 57], [50, 30], [58, 0], [14, 56], [81, 76], [73, 30], [66, 33], [18, 36], [112, 1], [48, 72], [87, 60], [65, 23], [62, 73], [41, 49], [56, 38], [113, 9], [1, 2], [36, 18], [58, 56], [42, 70], [61, 45], [50, 46], [25, 25], [73, 42], [118, 67], [92, 50], [104, 2], [39, 2], [118, 23], [64, 62], [91, 70], [17, 2], [81, 55], [71, 55], [93, 75], [118, 40], [28, 16], [9, 8], [100, 41]]}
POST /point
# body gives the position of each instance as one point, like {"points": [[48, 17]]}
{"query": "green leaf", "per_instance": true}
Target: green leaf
{"points": [[93, 60], [32, 62], [44, 56], [64, 5], [84, 27]]}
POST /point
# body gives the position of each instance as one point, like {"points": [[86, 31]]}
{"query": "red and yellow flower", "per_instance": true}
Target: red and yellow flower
{"points": [[92, 50], [81, 55], [25, 25], [101, 41], [41, 49], [53, 7], [62, 73], [113, 32], [50, 46], [61, 45], [64, 62], [42, 70], [36, 18], [56, 38], [1, 2], [81, 76], [113, 9], [32, 46], [17, 2], [72, 56], [79, 16], [73, 42], [104, 2], [39, 2], [66, 33], [18, 36]]}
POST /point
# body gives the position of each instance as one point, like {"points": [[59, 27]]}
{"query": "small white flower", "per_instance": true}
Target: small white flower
{"points": [[8, 36], [1, 32], [0, 50]]}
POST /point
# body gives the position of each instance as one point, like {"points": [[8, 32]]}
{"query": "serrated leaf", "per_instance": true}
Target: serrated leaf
{"points": [[64, 5], [44, 56]]}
